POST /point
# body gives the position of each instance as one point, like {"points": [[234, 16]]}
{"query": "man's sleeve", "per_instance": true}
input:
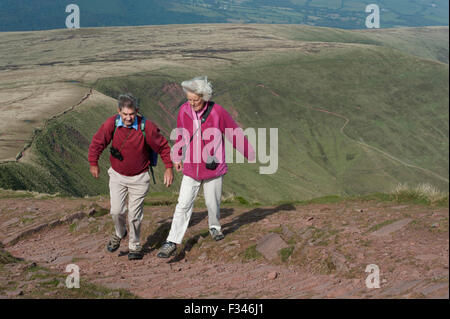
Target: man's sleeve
{"points": [[100, 141], [238, 136], [158, 143]]}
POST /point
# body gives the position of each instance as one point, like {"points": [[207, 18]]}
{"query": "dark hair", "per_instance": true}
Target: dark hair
{"points": [[128, 99]]}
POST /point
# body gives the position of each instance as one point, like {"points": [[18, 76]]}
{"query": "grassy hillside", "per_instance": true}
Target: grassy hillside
{"points": [[375, 88], [57, 159], [430, 42], [355, 115]]}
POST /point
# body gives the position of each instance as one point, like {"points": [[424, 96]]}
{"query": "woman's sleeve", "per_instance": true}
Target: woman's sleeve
{"points": [[235, 135]]}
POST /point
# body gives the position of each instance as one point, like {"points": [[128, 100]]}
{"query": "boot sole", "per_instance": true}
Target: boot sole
{"points": [[135, 257], [113, 250], [165, 256], [219, 237]]}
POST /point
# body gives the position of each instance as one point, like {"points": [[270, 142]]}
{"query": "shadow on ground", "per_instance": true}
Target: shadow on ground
{"points": [[157, 239], [251, 216]]}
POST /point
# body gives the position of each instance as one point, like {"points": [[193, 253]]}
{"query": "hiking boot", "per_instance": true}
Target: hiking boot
{"points": [[135, 254], [167, 249], [114, 242], [216, 234]]}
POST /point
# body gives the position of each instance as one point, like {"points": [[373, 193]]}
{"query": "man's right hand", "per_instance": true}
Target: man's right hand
{"points": [[178, 166], [95, 170]]}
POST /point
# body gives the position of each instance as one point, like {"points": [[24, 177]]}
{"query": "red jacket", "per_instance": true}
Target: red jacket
{"points": [[135, 152]]}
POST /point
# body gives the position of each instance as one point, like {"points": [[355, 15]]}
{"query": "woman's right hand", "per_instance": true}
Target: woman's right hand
{"points": [[178, 166]]}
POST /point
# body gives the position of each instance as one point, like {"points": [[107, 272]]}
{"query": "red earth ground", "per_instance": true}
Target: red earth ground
{"points": [[328, 249]]}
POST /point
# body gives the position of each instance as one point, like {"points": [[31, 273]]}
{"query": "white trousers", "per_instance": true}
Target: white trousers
{"points": [[212, 189], [133, 188]]}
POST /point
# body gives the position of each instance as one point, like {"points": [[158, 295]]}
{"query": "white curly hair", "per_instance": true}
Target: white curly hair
{"points": [[200, 86]]}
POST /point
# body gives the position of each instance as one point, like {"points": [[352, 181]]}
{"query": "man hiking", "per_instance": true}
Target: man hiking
{"points": [[132, 137]]}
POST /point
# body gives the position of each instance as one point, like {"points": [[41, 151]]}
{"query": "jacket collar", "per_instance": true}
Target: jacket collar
{"points": [[186, 108], [134, 125]]}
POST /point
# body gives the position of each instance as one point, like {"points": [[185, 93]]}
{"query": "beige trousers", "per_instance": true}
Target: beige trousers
{"points": [[133, 188], [189, 188]]}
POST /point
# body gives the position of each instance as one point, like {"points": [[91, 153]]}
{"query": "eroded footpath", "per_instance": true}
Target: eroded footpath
{"points": [[285, 251]]}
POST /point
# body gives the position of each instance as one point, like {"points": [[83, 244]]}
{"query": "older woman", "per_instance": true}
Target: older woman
{"points": [[197, 117]]}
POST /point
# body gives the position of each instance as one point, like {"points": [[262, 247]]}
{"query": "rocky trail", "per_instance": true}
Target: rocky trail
{"points": [[287, 251]]}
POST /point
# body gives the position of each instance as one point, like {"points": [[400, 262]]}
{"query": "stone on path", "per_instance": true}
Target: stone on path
{"points": [[272, 276], [388, 229], [270, 244]]}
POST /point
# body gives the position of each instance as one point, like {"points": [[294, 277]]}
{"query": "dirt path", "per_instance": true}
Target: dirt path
{"points": [[331, 246]]}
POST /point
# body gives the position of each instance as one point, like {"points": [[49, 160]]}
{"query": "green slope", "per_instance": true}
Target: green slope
{"points": [[394, 102], [427, 42], [395, 106]]}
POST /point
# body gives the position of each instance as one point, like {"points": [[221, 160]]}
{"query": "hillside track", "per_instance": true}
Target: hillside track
{"points": [[387, 155], [347, 121], [21, 154]]}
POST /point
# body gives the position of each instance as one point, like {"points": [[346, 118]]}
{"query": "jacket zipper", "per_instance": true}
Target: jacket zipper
{"points": [[200, 124]]}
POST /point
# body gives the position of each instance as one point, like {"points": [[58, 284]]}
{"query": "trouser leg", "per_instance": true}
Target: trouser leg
{"points": [[212, 189], [118, 193], [183, 211], [137, 190]]}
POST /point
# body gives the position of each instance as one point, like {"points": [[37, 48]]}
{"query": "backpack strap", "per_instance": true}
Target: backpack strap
{"points": [[208, 110], [116, 123], [153, 155], [204, 117], [143, 126]]}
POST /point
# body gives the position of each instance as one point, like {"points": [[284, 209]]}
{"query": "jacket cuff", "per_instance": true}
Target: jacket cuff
{"points": [[169, 165]]}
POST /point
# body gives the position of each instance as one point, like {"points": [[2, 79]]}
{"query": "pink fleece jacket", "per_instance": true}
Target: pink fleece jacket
{"points": [[194, 164]]}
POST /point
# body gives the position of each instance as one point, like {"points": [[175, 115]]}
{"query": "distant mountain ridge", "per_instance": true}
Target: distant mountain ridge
{"points": [[23, 15]]}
